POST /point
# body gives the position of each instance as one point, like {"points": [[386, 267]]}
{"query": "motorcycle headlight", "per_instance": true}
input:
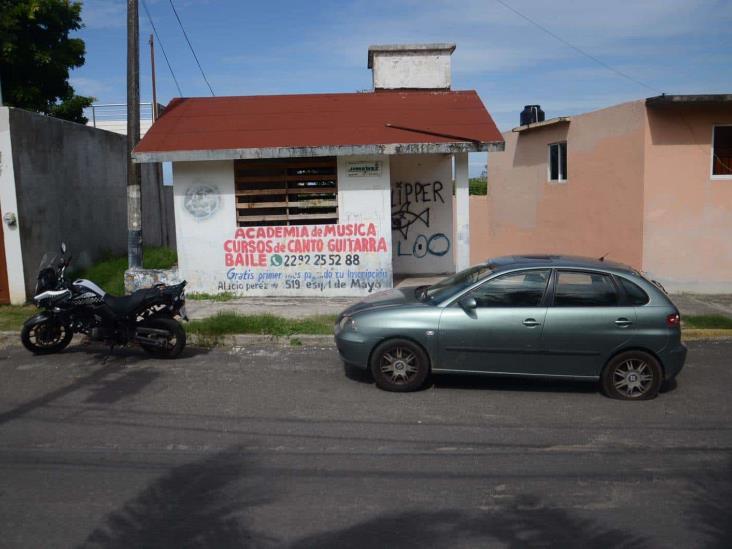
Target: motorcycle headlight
{"points": [[347, 323]]}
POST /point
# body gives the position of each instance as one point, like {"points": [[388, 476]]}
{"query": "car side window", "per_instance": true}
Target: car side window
{"points": [[584, 289], [634, 294], [522, 289]]}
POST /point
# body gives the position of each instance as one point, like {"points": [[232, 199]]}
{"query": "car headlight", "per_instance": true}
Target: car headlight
{"points": [[347, 323]]}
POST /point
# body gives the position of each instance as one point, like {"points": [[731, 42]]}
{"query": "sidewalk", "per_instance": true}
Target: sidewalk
{"points": [[288, 307], [703, 304], [300, 307]]}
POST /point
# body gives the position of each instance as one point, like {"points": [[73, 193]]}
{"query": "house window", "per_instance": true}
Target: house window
{"points": [[558, 161], [298, 191], [722, 151]]}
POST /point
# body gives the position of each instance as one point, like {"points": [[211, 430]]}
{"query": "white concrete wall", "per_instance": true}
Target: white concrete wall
{"points": [[462, 213], [199, 239], [350, 258], [9, 204], [422, 214], [422, 70]]}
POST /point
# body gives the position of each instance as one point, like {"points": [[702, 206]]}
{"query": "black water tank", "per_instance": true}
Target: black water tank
{"points": [[531, 115]]}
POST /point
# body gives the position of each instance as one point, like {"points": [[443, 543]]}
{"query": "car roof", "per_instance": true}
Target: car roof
{"points": [[507, 262]]}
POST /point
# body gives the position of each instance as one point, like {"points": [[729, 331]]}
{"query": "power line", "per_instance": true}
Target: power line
{"points": [[577, 49], [157, 37], [605, 65], [191, 47]]}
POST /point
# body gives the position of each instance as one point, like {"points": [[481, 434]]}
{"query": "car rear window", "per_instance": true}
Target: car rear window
{"points": [[584, 289], [634, 294]]}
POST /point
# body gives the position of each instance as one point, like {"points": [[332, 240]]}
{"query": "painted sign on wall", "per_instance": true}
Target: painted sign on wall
{"points": [[412, 205], [421, 214], [337, 259], [364, 168]]}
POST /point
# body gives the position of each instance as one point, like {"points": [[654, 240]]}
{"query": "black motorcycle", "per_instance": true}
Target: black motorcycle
{"points": [[146, 317]]}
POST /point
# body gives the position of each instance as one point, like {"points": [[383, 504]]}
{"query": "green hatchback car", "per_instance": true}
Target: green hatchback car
{"points": [[542, 316]]}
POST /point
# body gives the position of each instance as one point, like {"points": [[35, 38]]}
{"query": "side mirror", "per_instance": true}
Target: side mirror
{"points": [[63, 247], [468, 303]]}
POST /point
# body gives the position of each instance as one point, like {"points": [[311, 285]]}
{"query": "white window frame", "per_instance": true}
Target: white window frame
{"points": [[711, 157], [562, 170]]}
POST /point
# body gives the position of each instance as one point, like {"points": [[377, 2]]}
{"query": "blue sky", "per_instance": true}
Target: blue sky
{"points": [[675, 46]]}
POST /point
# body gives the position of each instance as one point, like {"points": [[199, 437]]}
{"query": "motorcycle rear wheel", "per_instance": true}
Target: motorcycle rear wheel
{"points": [[46, 337], [175, 343]]}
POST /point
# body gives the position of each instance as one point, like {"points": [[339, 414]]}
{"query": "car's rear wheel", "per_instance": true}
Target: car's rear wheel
{"points": [[399, 365], [632, 375]]}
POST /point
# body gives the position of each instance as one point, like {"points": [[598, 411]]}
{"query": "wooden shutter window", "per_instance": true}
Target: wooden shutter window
{"points": [[299, 191]]}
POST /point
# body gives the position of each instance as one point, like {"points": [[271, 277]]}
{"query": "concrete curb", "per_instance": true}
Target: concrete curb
{"points": [[233, 340], [305, 340], [244, 340]]}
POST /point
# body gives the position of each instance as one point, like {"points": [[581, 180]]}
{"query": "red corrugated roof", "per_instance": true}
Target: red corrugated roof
{"points": [[336, 119]]}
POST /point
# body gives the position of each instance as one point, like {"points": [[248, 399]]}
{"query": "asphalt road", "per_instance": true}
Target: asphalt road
{"points": [[279, 447]]}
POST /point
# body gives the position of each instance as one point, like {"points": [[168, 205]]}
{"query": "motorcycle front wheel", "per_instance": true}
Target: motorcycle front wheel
{"points": [[172, 344], [46, 337]]}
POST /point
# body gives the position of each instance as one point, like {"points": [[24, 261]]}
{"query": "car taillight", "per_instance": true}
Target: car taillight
{"points": [[673, 320]]}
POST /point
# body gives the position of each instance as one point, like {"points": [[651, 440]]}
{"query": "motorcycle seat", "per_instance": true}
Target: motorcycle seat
{"points": [[127, 304]]}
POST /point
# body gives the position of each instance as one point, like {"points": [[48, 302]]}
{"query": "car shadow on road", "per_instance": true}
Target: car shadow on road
{"points": [[500, 383], [490, 383]]}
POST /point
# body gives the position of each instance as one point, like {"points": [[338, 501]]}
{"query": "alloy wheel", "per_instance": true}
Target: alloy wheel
{"points": [[399, 364], [47, 334], [633, 378]]}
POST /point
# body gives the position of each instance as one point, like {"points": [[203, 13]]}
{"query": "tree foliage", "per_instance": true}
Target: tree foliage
{"points": [[36, 54], [478, 185]]}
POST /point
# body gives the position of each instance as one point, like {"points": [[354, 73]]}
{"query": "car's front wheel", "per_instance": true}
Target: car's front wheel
{"points": [[632, 375], [399, 365]]}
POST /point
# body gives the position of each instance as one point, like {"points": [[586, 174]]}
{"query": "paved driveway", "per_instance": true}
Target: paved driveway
{"points": [[278, 447]]}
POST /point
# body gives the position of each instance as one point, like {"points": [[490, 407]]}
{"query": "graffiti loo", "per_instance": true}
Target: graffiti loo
{"points": [[326, 194]]}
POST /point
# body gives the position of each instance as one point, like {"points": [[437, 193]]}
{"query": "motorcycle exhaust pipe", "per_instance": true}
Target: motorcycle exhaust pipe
{"points": [[150, 341], [142, 336]]}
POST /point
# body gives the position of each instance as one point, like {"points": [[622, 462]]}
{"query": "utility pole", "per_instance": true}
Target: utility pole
{"points": [[154, 87], [134, 202], [158, 166]]}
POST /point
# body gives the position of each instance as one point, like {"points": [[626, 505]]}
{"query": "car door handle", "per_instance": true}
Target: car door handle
{"points": [[531, 322], [623, 323]]}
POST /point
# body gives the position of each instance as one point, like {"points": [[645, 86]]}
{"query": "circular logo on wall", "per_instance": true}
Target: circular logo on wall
{"points": [[202, 201]]}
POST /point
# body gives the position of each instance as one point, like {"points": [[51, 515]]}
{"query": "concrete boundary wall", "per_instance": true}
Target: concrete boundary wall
{"points": [[70, 183], [9, 204]]}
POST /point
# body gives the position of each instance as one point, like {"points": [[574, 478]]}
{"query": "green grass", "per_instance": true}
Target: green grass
{"points": [[201, 296], [707, 322], [265, 324], [109, 273], [13, 316], [478, 186]]}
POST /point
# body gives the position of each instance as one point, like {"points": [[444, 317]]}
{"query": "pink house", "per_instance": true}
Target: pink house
{"points": [[648, 183]]}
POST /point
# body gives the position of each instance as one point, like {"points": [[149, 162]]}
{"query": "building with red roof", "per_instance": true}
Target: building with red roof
{"points": [[325, 194]]}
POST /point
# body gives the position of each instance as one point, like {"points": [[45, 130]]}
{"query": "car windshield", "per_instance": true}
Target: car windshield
{"points": [[456, 283]]}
